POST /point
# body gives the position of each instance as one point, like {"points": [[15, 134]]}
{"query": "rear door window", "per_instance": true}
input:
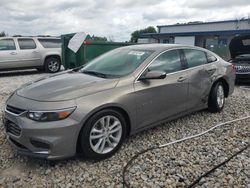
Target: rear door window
{"points": [[211, 58], [26, 44], [195, 57], [7, 44], [168, 62], [50, 43]]}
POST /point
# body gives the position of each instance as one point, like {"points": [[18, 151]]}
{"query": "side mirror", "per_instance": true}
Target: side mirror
{"points": [[150, 75]]}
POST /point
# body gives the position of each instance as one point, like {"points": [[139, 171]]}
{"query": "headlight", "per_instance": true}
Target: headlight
{"points": [[53, 115]]}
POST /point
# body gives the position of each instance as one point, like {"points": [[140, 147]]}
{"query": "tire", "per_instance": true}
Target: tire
{"points": [[94, 133], [52, 64], [217, 98]]}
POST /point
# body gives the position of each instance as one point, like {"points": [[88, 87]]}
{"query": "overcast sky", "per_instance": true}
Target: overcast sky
{"points": [[110, 18]]}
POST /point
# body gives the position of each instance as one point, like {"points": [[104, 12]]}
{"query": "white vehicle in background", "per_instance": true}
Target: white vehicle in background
{"points": [[42, 53]]}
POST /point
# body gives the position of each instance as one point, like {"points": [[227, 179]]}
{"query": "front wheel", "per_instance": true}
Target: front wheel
{"points": [[217, 98], [103, 134]]}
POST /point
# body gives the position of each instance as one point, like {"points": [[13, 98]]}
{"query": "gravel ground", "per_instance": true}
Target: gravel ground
{"points": [[174, 166]]}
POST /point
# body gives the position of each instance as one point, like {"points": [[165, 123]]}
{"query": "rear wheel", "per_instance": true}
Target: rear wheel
{"points": [[217, 98], [52, 64], [102, 135]]}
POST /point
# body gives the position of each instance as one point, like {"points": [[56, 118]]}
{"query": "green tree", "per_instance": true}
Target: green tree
{"points": [[136, 34], [3, 34], [100, 39]]}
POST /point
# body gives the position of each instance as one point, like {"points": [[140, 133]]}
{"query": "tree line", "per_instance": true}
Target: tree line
{"points": [[134, 35], [3, 34]]}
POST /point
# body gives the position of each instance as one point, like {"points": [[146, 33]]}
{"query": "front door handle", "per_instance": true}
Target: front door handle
{"points": [[13, 53], [181, 79], [34, 52]]}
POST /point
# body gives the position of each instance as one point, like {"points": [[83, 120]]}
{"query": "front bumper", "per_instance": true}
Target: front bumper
{"points": [[240, 77], [50, 140]]}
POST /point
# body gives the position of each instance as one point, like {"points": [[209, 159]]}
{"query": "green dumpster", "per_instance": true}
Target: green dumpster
{"points": [[88, 51]]}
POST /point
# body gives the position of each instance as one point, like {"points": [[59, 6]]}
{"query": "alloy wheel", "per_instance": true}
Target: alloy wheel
{"points": [[53, 66], [220, 96], [106, 134]]}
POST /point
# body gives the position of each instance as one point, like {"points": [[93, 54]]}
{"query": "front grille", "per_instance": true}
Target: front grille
{"points": [[14, 110], [12, 128], [243, 68]]}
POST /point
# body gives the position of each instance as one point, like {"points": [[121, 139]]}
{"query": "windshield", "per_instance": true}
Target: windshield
{"points": [[116, 63]]}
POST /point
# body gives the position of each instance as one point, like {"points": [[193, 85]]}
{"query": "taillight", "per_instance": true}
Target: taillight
{"points": [[234, 66]]}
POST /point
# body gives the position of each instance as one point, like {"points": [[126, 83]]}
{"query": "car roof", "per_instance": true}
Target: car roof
{"points": [[158, 47]]}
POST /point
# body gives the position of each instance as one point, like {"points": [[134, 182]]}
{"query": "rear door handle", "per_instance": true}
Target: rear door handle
{"points": [[34, 52], [13, 53], [181, 79]]}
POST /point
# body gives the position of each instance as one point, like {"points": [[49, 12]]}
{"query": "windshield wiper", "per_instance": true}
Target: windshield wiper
{"points": [[98, 74]]}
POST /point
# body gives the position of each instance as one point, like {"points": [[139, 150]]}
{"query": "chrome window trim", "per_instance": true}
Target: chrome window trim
{"points": [[208, 53], [180, 48]]}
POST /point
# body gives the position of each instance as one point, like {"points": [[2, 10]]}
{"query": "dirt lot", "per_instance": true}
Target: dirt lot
{"points": [[174, 166]]}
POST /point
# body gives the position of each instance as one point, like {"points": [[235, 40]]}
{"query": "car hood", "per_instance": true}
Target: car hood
{"points": [[243, 57], [66, 86], [237, 47]]}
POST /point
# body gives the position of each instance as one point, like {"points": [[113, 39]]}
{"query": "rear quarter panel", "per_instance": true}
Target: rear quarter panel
{"points": [[45, 52], [229, 76], [226, 72]]}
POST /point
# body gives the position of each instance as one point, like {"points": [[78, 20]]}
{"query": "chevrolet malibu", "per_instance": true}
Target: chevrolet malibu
{"points": [[92, 109]]}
